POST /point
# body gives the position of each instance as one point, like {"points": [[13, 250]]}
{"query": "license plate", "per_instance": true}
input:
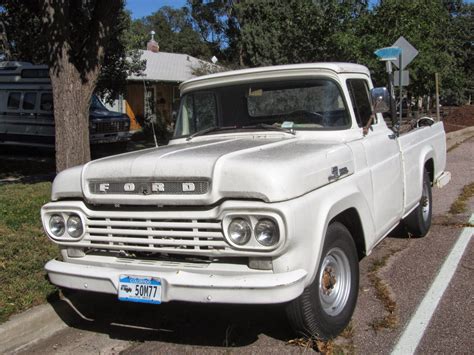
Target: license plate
{"points": [[139, 289]]}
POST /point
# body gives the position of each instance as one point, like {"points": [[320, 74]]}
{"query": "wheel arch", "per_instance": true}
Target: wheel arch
{"points": [[351, 220], [429, 167], [427, 158], [350, 205]]}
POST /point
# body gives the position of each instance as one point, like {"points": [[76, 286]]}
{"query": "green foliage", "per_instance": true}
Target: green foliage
{"points": [[282, 32], [24, 248], [28, 41], [426, 25], [174, 33], [462, 34], [22, 25], [119, 62], [218, 26]]}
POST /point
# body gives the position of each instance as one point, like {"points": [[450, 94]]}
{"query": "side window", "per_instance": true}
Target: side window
{"points": [[14, 100], [46, 102], [359, 92], [29, 101]]}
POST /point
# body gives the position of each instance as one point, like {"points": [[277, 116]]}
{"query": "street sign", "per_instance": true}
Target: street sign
{"points": [[388, 53], [405, 78], [408, 52]]}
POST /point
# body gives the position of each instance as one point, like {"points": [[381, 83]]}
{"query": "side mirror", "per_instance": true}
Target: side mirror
{"points": [[380, 100]]}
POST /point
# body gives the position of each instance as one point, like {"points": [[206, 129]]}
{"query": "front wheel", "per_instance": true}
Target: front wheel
{"points": [[325, 307], [418, 221]]}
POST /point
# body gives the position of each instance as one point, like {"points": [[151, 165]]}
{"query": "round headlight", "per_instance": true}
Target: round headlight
{"points": [[239, 231], [56, 225], [266, 232], [74, 226]]}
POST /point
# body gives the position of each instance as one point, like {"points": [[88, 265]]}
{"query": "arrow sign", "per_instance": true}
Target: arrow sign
{"points": [[388, 53], [408, 52]]}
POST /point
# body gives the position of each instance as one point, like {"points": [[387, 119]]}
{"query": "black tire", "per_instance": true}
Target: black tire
{"points": [[313, 314], [418, 222]]}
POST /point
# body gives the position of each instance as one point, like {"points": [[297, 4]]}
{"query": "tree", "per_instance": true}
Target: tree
{"points": [[462, 34], [217, 24], [174, 32], [253, 33], [75, 57], [83, 43]]}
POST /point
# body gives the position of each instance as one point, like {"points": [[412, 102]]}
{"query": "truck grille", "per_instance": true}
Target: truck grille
{"points": [[113, 126], [194, 237]]}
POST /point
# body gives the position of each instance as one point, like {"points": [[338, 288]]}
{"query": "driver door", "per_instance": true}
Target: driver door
{"points": [[383, 160]]}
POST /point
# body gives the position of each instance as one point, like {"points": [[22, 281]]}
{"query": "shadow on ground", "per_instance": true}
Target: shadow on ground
{"points": [[32, 165], [175, 322]]}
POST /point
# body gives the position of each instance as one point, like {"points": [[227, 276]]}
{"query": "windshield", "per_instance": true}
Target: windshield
{"points": [[96, 104], [315, 104]]}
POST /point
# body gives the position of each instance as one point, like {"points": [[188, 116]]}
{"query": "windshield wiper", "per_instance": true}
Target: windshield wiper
{"points": [[209, 130], [271, 128]]}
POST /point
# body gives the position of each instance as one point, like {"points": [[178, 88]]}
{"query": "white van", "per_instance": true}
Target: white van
{"points": [[26, 110]]}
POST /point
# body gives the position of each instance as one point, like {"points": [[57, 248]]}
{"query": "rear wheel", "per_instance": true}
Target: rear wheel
{"points": [[418, 222], [325, 307]]}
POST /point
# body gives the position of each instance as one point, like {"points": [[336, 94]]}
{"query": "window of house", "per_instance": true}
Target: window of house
{"points": [[46, 102], [14, 100], [359, 92], [29, 101]]}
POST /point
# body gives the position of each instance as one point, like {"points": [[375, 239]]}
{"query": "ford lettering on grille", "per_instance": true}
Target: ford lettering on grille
{"points": [[149, 187]]}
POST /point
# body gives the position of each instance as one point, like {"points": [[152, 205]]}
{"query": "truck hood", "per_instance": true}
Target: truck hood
{"points": [[203, 172]]}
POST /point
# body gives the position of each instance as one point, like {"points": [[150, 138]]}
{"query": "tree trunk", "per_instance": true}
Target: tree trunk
{"points": [[71, 113], [5, 44], [78, 33]]}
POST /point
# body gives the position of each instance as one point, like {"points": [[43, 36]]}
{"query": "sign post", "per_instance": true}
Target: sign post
{"points": [[400, 54], [400, 73]]}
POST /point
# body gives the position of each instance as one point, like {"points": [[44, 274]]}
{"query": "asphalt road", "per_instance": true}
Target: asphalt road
{"points": [[394, 280]]}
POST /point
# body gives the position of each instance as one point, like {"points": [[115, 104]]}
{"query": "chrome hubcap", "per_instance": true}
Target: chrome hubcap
{"points": [[334, 281]]}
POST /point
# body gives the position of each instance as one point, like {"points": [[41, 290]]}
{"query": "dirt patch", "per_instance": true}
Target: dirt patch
{"points": [[456, 118], [384, 294], [460, 205]]}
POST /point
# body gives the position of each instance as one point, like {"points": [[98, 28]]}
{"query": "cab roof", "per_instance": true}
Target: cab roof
{"points": [[337, 67]]}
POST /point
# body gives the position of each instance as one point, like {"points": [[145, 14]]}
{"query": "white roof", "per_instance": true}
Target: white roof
{"points": [[337, 67], [170, 67]]}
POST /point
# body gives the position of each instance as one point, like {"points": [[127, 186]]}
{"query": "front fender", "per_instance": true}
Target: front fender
{"points": [[308, 218]]}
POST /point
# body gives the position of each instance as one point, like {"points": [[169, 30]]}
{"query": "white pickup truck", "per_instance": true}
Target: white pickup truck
{"points": [[277, 182]]}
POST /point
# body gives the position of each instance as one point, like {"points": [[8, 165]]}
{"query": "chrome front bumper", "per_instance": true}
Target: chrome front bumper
{"points": [[184, 285]]}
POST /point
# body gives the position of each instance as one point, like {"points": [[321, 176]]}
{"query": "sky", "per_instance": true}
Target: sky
{"points": [[142, 8]]}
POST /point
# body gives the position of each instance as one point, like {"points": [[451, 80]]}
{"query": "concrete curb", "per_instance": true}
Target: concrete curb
{"points": [[42, 321], [457, 137], [25, 328]]}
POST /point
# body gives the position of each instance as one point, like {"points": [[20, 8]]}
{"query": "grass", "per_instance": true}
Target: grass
{"points": [[382, 292], [460, 205], [24, 248]]}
